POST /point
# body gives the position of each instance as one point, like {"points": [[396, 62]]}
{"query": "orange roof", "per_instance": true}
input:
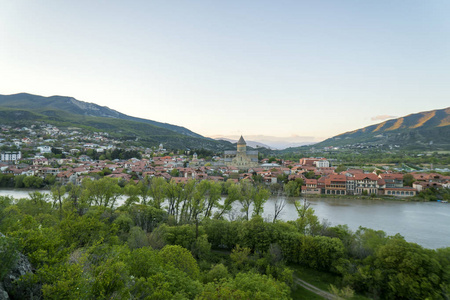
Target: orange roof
{"points": [[369, 176], [397, 176]]}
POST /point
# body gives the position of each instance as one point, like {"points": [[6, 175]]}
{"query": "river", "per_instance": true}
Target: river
{"points": [[424, 223]]}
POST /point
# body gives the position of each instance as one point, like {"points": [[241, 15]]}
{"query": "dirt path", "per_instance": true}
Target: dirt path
{"points": [[315, 289]]}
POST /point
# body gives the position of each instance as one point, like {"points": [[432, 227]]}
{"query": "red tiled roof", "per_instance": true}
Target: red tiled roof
{"points": [[369, 176]]}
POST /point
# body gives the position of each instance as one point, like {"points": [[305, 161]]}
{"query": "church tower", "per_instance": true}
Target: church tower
{"points": [[241, 145], [241, 158]]}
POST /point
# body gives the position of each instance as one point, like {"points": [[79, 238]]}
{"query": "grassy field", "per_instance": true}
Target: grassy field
{"points": [[302, 293], [322, 280]]}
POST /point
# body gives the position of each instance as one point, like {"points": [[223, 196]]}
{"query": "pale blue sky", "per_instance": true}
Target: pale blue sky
{"points": [[280, 68]]}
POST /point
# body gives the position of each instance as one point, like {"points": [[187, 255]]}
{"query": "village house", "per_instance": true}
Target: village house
{"points": [[336, 184], [392, 180], [10, 156], [310, 187], [44, 149], [366, 183]]}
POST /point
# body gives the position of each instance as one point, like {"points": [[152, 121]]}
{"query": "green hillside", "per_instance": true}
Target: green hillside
{"points": [[430, 129], [147, 135], [71, 105]]}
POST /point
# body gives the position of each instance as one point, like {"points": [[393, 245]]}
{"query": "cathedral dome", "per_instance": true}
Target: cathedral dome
{"points": [[241, 141]]}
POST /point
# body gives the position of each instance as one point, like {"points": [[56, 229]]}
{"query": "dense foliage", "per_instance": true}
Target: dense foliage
{"points": [[171, 240]]}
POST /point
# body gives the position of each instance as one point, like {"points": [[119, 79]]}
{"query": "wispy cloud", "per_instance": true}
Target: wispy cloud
{"points": [[382, 117]]}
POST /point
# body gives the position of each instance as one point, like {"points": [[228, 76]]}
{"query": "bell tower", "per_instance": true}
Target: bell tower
{"points": [[241, 145]]}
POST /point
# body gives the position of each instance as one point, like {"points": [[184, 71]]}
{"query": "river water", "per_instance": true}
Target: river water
{"points": [[424, 223]]}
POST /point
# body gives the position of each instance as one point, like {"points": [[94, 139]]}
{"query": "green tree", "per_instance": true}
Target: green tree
{"points": [[217, 273], [246, 286], [132, 191], [340, 168], [174, 194], [233, 195], [240, 257], [408, 179], [158, 186], [292, 189], [260, 198], [102, 192], [57, 194], [181, 259], [213, 197], [8, 255], [33, 182], [137, 238], [307, 222], [18, 181], [247, 197], [175, 173]]}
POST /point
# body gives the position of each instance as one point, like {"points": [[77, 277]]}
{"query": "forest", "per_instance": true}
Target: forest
{"points": [[183, 241]]}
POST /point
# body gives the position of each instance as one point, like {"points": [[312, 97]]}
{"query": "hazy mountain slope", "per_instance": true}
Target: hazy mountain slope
{"points": [[252, 144], [136, 132], [412, 131], [429, 130], [38, 104]]}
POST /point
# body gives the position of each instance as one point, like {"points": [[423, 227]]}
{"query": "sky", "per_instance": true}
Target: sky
{"points": [[307, 70]]}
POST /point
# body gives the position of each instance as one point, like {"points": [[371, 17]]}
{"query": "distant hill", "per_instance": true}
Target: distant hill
{"points": [[270, 142], [424, 130], [66, 111], [252, 144], [40, 104]]}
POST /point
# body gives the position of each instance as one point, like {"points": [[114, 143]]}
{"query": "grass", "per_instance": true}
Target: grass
{"points": [[320, 279], [302, 293]]}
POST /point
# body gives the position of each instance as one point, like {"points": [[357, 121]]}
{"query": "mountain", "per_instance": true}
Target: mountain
{"points": [[41, 104], [271, 142], [252, 144], [66, 111], [424, 130]]}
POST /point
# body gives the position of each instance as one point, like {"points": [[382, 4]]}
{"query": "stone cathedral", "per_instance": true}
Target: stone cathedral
{"points": [[241, 158]]}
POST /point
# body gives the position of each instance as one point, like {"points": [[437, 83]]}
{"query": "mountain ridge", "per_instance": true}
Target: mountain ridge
{"points": [[413, 130], [23, 108], [79, 107]]}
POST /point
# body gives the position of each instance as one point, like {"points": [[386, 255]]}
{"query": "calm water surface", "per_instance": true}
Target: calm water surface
{"points": [[424, 223]]}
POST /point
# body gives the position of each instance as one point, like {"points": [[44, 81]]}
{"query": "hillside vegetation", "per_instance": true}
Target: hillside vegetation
{"points": [[71, 105], [146, 134], [422, 130]]}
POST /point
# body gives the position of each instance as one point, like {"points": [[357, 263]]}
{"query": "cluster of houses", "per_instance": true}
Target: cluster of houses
{"points": [[322, 179], [39, 137], [318, 176]]}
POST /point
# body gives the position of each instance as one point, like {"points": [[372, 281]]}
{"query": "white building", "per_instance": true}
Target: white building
{"points": [[323, 163], [11, 155], [45, 149]]}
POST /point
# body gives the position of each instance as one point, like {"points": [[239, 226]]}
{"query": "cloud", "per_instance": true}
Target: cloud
{"points": [[382, 117]]}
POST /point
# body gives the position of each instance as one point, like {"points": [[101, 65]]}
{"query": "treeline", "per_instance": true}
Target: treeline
{"points": [[173, 241], [24, 181], [116, 153], [364, 157]]}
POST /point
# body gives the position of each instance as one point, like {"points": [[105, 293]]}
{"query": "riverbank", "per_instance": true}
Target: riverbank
{"points": [[360, 197]]}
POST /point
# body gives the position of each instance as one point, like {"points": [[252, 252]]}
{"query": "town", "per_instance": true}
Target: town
{"points": [[49, 154]]}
